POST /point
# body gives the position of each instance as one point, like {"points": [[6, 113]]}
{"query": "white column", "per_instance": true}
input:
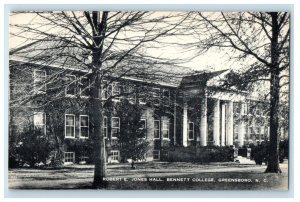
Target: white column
{"points": [[282, 135], [203, 122], [241, 129], [223, 124], [184, 126], [230, 123], [241, 134], [216, 132]]}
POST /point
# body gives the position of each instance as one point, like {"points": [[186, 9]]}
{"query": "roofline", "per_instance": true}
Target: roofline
{"points": [[14, 50], [230, 90], [86, 71]]}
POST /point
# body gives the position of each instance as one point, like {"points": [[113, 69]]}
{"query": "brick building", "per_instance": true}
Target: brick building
{"points": [[189, 112]]}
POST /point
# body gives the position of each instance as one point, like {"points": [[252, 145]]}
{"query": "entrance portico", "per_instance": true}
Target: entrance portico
{"points": [[212, 111]]}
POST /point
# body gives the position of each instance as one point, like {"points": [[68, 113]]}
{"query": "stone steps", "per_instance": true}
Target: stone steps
{"points": [[244, 160]]}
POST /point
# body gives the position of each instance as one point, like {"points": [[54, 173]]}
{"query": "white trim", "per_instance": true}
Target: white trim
{"points": [[71, 83], [118, 98], [189, 130], [83, 159], [72, 137], [245, 107], [156, 129], [115, 153], [141, 100], [114, 127], [72, 157], [44, 118], [168, 128], [37, 89], [151, 82], [82, 137]]}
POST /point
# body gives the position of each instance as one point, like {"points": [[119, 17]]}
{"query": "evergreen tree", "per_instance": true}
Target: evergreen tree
{"points": [[132, 136]]}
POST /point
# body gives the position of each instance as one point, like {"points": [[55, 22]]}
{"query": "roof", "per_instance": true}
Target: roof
{"points": [[59, 55], [202, 77]]}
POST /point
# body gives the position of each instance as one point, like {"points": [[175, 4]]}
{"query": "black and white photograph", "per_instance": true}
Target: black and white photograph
{"points": [[149, 100]]}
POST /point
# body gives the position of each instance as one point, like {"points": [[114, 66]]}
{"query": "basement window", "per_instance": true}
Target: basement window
{"points": [[69, 157]]}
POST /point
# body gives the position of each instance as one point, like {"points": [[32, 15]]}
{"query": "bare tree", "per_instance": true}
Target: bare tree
{"points": [[104, 45], [260, 40]]}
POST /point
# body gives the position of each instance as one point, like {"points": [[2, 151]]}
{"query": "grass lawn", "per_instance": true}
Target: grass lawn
{"points": [[154, 176]]}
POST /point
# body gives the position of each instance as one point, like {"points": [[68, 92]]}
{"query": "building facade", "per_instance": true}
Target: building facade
{"points": [[190, 114]]}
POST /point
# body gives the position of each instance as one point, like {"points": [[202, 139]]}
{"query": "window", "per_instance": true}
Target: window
{"points": [[105, 127], [84, 87], [142, 94], [39, 81], [251, 108], [131, 94], [156, 129], [39, 119], [104, 88], [165, 129], [254, 132], [142, 98], [236, 132], [191, 130], [84, 126], [70, 126], [69, 157], [144, 127], [71, 85], [83, 158], [116, 91], [245, 108], [237, 108], [166, 97], [114, 155], [156, 96], [258, 137], [156, 154], [115, 127]]}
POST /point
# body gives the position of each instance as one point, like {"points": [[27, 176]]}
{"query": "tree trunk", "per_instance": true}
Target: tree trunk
{"points": [[58, 148], [273, 158], [96, 100], [97, 119], [99, 144]]}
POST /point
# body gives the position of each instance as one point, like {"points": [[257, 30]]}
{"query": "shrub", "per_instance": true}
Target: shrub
{"points": [[32, 147], [283, 150], [260, 153], [201, 154]]}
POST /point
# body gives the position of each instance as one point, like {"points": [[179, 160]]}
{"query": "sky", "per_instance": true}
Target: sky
{"points": [[214, 59]]}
